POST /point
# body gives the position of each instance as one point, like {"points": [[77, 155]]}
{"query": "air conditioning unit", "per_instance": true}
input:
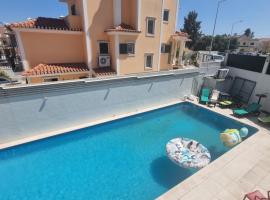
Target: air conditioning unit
{"points": [[104, 61]]}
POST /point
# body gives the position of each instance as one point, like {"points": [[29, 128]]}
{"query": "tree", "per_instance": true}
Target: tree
{"points": [[192, 27], [220, 43], [249, 33], [265, 47]]}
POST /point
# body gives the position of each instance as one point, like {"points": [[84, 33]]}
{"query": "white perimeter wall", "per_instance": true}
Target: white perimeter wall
{"points": [[262, 86], [34, 110]]}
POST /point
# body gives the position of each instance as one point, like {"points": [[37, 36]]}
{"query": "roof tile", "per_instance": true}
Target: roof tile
{"points": [[123, 28], [43, 23], [52, 69]]}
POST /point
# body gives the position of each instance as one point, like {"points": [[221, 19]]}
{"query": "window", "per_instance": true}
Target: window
{"points": [[148, 61], [166, 14], [252, 43], [150, 26], [244, 43], [127, 48], [103, 48], [73, 9], [165, 48]]}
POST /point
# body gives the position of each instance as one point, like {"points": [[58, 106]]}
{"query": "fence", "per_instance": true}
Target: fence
{"points": [[246, 62]]}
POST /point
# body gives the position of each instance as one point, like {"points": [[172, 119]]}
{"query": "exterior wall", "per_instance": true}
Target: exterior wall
{"points": [[99, 22], [168, 29], [144, 44], [32, 110], [53, 48], [62, 77], [75, 21], [130, 64], [129, 15], [101, 16], [262, 86], [29, 111]]}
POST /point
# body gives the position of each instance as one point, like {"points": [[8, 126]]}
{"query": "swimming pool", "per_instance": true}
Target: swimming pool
{"points": [[122, 159]]}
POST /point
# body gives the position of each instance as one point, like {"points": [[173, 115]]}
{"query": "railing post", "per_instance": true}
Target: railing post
{"points": [[266, 64]]}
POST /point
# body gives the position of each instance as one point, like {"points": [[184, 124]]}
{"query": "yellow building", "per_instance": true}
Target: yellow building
{"points": [[107, 37]]}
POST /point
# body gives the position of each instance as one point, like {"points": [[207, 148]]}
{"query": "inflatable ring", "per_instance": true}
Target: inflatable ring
{"points": [[188, 153]]}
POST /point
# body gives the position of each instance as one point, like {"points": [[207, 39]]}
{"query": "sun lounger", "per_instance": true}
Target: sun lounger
{"points": [[214, 97], [250, 109], [205, 95]]}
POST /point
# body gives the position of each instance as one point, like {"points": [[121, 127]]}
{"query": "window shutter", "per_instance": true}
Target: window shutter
{"points": [[123, 48]]}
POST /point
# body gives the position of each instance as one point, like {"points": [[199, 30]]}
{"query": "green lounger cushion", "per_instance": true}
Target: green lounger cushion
{"points": [[251, 108], [204, 99], [205, 95], [264, 119], [240, 112]]}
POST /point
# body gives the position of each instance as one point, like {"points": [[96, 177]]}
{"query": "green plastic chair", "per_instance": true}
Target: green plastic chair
{"points": [[251, 108], [205, 95]]}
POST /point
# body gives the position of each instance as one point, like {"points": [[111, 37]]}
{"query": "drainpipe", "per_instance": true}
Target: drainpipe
{"points": [[138, 15], [161, 35], [177, 13], [22, 50], [87, 34]]}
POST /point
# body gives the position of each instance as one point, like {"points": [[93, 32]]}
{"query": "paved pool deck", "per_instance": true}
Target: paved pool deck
{"points": [[243, 169]]}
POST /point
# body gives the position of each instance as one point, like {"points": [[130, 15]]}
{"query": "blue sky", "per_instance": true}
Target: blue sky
{"points": [[254, 13]]}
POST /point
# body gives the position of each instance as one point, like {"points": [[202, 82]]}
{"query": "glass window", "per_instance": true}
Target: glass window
{"points": [[166, 15], [73, 9], [165, 48], [103, 48], [150, 26], [127, 48], [149, 61], [130, 48]]}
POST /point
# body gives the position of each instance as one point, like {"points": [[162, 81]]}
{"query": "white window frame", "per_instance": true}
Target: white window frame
{"points": [[147, 20], [103, 41], [131, 42], [145, 61], [164, 21]]}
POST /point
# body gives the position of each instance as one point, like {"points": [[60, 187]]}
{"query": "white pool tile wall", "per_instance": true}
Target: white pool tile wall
{"points": [[29, 111]]}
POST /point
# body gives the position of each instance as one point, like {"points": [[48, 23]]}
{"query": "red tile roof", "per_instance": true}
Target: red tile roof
{"points": [[123, 28], [52, 69], [104, 71], [183, 34], [43, 23]]}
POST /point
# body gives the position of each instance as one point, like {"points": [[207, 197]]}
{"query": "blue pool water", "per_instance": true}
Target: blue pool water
{"points": [[123, 159]]}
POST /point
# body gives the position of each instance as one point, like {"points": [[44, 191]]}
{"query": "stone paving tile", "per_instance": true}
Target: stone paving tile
{"points": [[265, 183], [224, 195], [243, 169]]}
